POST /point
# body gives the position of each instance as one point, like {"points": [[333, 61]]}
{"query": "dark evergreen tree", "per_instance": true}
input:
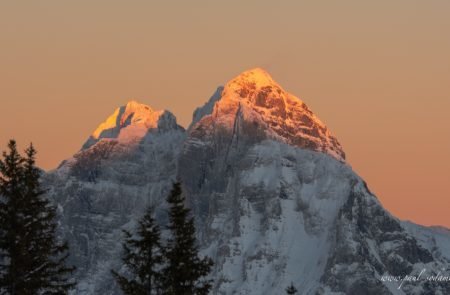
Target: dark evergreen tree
{"points": [[291, 290], [143, 258], [11, 222], [32, 258], [185, 271]]}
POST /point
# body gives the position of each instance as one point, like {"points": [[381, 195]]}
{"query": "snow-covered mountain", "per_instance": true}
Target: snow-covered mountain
{"points": [[274, 200]]}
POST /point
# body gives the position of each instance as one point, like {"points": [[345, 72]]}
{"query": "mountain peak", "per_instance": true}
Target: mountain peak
{"points": [[134, 105], [258, 76], [254, 97], [132, 121]]}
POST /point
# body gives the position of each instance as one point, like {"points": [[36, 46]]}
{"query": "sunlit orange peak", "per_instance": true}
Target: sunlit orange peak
{"points": [[257, 75], [133, 113]]}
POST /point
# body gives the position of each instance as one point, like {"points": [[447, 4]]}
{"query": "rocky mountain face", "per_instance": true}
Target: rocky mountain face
{"points": [[253, 106], [129, 162], [274, 200]]}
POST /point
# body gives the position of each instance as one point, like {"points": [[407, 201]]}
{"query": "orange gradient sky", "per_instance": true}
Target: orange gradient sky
{"points": [[376, 72]]}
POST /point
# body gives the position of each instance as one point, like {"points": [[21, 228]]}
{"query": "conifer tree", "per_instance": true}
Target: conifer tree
{"points": [[291, 290], [185, 271], [32, 259], [143, 259], [11, 223]]}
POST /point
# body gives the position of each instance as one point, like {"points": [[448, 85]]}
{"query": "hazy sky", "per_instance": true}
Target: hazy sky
{"points": [[376, 72]]}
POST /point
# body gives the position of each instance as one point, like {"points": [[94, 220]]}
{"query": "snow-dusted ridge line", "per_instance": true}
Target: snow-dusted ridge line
{"points": [[252, 97]]}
